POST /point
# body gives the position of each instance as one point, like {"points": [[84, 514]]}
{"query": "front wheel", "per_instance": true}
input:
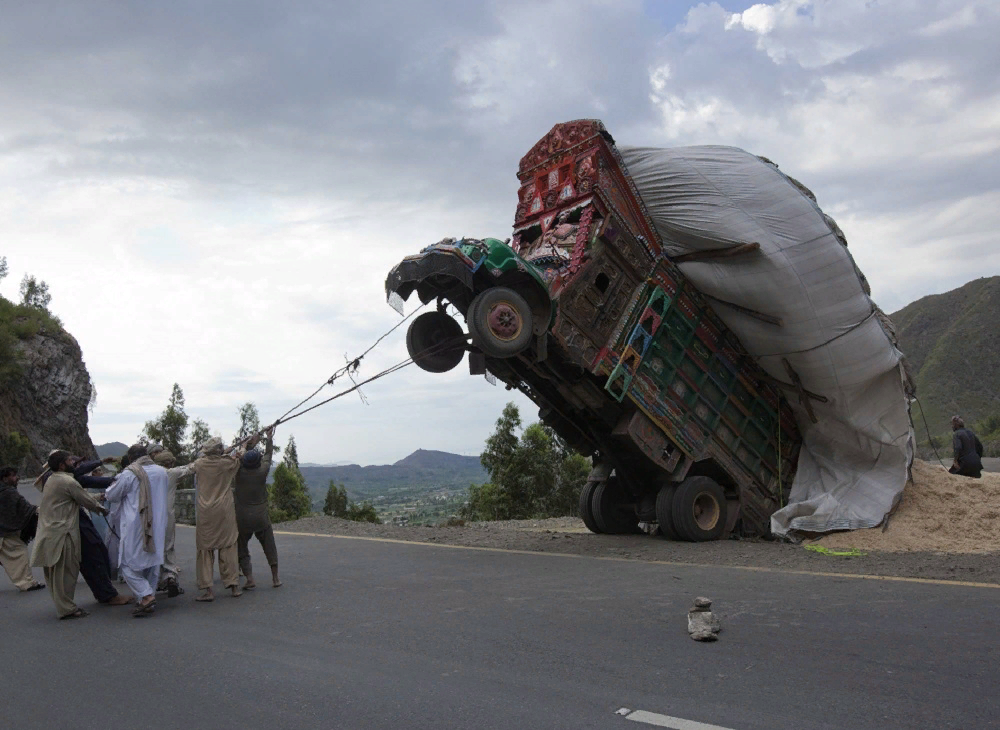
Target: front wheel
{"points": [[500, 322], [436, 342]]}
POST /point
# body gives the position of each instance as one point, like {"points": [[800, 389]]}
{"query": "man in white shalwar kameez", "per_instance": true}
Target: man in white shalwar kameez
{"points": [[138, 504]]}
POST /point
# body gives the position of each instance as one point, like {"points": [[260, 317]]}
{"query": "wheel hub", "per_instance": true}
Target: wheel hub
{"points": [[706, 511], [504, 321]]}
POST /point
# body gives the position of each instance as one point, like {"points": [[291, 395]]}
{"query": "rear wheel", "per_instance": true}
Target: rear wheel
{"points": [[613, 512], [500, 322], [665, 511], [436, 342], [586, 510], [699, 509]]}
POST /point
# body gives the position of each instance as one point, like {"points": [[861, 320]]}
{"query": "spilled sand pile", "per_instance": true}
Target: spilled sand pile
{"points": [[940, 512]]}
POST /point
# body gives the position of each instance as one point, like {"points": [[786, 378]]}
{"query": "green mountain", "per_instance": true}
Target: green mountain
{"points": [[115, 449], [952, 342], [415, 476]]}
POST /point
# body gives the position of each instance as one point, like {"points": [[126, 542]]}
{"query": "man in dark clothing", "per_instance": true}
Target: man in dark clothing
{"points": [[95, 563], [968, 450], [15, 514], [252, 519]]}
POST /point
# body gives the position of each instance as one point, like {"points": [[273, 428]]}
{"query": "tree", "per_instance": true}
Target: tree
{"points": [[3, 268], [249, 422], [289, 498], [536, 475], [34, 293], [363, 513], [291, 457], [170, 426], [336, 501], [200, 433], [13, 449]]}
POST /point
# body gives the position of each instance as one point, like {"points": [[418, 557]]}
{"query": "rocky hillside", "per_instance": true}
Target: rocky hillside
{"points": [[45, 389], [952, 341]]}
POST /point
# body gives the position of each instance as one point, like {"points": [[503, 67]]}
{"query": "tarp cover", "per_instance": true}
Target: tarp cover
{"points": [[855, 458]]}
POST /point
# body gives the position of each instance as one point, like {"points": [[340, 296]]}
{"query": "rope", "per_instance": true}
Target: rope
{"points": [[289, 415], [928, 429], [352, 365]]}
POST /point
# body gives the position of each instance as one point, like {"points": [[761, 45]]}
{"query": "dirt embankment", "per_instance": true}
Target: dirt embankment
{"points": [[939, 512]]}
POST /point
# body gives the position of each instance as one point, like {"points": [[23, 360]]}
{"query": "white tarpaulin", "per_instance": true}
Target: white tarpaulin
{"points": [[855, 457]]}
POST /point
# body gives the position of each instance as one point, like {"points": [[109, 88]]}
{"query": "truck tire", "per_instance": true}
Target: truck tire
{"points": [[586, 510], [428, 342], [699, 509], [665, 511], [500, 322], [612, 514]]}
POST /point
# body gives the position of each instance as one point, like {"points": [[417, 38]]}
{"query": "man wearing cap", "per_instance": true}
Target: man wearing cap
{"points": [[57, 541], [216, 528], [252, 517], [170, 569], [15, 513], [968, 450]]}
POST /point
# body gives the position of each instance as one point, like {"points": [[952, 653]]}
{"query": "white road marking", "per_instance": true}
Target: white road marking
{"points": [[675, 723]]}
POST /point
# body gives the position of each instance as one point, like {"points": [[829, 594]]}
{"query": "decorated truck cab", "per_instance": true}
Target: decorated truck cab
{"points": [[584, 313]]}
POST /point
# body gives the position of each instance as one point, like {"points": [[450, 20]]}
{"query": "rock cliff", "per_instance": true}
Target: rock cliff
{"points": [[47, 401]]}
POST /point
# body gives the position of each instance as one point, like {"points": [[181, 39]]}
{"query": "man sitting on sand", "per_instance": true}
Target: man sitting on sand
{"points": [[968, 450]]}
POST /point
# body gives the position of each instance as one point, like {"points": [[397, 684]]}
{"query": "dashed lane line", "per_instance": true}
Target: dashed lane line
{"points": [[675, 723], [672, 563]]}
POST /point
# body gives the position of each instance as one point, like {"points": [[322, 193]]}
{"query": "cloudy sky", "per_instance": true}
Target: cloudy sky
{"points": [[214, 192]]}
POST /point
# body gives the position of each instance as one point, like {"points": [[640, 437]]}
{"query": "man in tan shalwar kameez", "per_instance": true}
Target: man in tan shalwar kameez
{"points": [[216, 518], [57, 541]]}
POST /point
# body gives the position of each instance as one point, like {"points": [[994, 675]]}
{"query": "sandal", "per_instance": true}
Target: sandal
{"points": [[78, 613], [34, 587], [143, 610]]}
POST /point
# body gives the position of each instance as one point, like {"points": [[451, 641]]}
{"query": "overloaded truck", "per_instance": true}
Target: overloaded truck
{"points": [[583, 313]]}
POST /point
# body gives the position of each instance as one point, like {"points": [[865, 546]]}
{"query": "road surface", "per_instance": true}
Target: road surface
{"points": [[380, 634]]}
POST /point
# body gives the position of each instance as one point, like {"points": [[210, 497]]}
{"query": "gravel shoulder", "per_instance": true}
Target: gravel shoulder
{"points": [[569, 536]]}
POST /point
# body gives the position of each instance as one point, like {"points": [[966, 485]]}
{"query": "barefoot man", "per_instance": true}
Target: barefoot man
{"points": [[216, 518], [251, 511]]}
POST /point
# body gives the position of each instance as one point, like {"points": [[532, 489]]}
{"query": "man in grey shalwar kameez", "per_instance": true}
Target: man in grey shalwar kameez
{"points": [[138, 504], [252, 516]]}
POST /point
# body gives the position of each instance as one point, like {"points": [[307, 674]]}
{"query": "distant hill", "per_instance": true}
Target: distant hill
{"points": [[952, 341], [116, 449], [420, 472]]}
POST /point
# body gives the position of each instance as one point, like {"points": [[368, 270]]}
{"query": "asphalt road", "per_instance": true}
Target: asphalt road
{"points": [[377, 634]]}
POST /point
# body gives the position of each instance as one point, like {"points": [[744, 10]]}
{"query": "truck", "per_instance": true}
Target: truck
{"points": [[583, 312]]}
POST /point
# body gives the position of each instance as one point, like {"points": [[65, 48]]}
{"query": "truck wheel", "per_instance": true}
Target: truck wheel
{"points": [[500, 322], [586, 510], [428, 342], [699, 509], [665, 511], [613, 515]]}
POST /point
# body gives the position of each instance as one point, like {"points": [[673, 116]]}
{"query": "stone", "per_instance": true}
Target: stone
{"points": [[703, 625]]}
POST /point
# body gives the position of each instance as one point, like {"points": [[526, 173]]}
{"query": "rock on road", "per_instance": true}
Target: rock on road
{"points": [[379, 634]]}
